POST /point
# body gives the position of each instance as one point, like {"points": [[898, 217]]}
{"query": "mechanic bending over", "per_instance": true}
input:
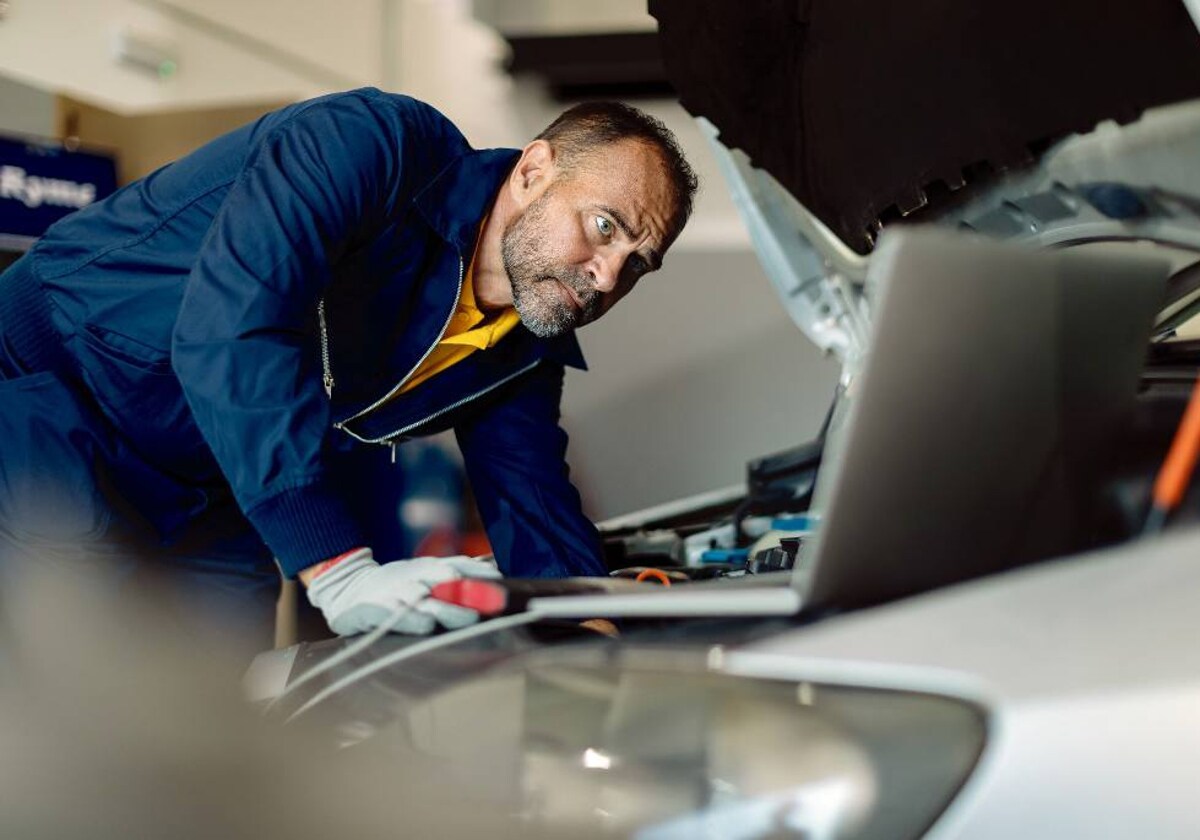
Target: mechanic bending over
{"points": [[188, 367]]}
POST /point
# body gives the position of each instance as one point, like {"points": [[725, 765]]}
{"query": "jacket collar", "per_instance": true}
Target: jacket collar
{"points": [[458, 197], [455, 202]]}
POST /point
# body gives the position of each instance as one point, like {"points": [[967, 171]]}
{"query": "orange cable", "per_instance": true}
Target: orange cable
{"points": [[1176, 471], [657, 574]]}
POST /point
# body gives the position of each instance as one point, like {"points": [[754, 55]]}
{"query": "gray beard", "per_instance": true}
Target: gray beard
{"points": [[535, 279]]}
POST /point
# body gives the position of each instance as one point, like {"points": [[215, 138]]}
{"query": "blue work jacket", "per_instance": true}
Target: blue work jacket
{"points": [[203, 306]]}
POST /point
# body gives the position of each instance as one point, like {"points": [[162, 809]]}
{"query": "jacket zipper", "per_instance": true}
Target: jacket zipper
{"points": [[328, 370], [389, 438]]}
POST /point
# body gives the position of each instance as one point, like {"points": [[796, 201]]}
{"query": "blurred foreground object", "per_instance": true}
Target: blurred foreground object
{"points": [[114, 726]]}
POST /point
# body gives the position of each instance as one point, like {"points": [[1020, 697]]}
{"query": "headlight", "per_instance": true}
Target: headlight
{"points": [[655, 752]]}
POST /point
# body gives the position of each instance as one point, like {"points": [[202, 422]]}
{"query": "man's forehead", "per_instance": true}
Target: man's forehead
{"points": [[632, 182]]}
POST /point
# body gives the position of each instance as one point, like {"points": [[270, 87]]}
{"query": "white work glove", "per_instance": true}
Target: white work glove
{"points": [[357, 595]]}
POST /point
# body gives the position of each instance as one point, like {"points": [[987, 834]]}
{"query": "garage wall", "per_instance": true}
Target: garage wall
{"points": [[25, 109], [144, 142], [698, 371]]}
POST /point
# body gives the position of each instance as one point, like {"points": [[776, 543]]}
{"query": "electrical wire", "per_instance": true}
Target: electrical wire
{"points": [[658, 574], [416, 649], [1176, 472]]}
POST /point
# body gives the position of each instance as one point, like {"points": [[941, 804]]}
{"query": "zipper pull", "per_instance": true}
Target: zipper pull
{"points": [[392, 444]]}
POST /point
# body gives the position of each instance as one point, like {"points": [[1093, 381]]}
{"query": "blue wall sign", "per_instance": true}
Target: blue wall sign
{"points": [[42, 182]]}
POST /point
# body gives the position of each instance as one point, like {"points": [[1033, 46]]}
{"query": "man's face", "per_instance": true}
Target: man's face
{"points": [[581, 245]]}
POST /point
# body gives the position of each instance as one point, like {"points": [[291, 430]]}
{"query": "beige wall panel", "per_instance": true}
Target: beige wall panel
{"points": [[145, 142]]}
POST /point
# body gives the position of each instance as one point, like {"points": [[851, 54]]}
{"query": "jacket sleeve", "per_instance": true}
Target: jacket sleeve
{"points": [[515, 454], [245, 345]]}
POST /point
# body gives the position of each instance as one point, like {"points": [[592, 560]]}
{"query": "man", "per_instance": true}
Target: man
{"points": [[190, 369]]}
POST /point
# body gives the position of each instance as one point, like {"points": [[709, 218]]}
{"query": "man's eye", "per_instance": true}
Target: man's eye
{"points": [[604, 226]]}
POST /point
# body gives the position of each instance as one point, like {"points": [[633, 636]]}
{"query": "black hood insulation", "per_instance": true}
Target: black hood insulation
{"points": [[869, 111]]}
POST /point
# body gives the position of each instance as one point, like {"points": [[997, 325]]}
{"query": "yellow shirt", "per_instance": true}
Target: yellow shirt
{"points": [[470, 329]]}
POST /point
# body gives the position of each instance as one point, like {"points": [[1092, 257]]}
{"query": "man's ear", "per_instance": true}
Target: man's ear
{"points": [[533, 173]]}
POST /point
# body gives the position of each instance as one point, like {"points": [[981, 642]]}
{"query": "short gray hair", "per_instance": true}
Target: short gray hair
{"points": [[590, 125]]}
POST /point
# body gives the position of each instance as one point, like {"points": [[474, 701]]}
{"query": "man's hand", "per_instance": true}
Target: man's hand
{"points": [[356, 594]]}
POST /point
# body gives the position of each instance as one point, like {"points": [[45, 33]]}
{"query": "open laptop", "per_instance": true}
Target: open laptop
{"points": [[993, 377]]}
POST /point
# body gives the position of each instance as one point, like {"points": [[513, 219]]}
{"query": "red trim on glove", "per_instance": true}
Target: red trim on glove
{"points": [[486, 597], [324, 567]]}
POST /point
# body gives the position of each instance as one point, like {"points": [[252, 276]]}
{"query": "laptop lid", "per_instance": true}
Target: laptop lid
{"points": [[994, 376]]}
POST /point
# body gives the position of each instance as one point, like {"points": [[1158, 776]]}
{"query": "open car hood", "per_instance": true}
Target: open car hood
{"points": [[832, 120]]}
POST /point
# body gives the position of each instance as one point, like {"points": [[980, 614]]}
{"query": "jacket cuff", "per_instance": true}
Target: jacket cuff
{"points": [[304, 526]]}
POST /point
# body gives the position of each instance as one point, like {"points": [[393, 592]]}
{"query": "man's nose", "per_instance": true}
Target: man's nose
{"points": [[605, 270]]}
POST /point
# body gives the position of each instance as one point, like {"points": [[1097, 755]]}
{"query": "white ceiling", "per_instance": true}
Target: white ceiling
{"points": [[228, 52], [235, 52]]}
